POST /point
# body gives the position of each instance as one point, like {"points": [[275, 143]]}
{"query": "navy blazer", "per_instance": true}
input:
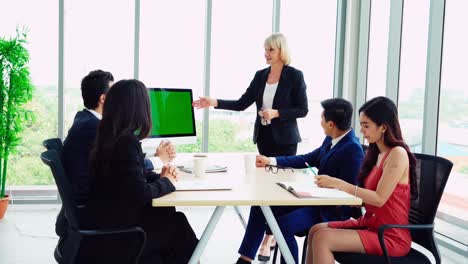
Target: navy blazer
{"points": [[343, 161], [76, 149], [290, 100]]}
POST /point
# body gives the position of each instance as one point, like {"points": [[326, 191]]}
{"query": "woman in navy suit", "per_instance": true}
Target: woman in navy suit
{"points": [[279, 93]]}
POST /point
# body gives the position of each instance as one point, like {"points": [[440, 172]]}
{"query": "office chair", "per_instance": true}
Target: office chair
{"points": [[432, 174], [54, 143], [80, 245]]}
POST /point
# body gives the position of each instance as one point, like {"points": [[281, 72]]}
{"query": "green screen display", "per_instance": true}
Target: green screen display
{"points": [[171, 112]]}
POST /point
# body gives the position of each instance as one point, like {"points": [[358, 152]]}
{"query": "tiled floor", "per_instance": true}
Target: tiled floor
{"points": [[27, 235]]}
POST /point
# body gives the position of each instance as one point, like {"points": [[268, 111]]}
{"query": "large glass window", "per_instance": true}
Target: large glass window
{"points": [[98, 35], [378, 48], [453, 120], [237, 53], [413, 70], [310, 27], [25, 166], [172, 49]]}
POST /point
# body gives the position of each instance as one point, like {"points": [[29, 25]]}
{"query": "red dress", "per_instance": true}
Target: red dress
{"points": [[394, 211]]}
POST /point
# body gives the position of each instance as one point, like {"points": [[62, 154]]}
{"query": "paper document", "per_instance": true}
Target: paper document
{"points": [[210, 169], [202, 185], [308, 190]]}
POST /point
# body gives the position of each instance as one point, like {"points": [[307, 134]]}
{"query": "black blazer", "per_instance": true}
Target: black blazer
{"points": [[290, 100], [76, 150], [75, 155], [119, 198]]}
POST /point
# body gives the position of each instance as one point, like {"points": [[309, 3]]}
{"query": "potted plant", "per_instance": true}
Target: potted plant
{"points": [[15, 90]]}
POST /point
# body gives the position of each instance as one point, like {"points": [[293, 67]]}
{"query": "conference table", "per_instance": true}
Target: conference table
{"points": [[254, 187]]}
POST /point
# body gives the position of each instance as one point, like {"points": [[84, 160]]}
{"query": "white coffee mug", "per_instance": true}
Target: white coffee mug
{"points": [[199, 165], [249, 163]]}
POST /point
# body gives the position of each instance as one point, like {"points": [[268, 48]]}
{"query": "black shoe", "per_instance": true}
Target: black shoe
{"points": [[242, 261], [263, 258]]}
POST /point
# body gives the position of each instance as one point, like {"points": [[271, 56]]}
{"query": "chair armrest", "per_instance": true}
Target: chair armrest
{"points": [[382, 229], [113, 231]]}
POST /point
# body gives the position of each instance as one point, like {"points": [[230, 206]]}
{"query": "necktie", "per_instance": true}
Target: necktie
{"points": [[328, 147]]}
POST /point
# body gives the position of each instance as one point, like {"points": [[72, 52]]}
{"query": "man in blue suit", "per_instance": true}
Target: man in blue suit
{"points": [[339, 155]]}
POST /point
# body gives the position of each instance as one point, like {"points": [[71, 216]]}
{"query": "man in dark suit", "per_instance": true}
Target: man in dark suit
{"points": [[81, 137], [340, 155]]}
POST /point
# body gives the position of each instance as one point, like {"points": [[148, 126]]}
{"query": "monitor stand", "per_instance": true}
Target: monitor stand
{"points": [[149, 145]]}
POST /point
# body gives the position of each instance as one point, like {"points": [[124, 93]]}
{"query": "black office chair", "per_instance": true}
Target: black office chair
{"points": [[432, 174], [80, 245], [54, 143]]}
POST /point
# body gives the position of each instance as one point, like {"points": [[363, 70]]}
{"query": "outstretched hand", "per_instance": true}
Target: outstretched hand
{"points": [[204, 102]]}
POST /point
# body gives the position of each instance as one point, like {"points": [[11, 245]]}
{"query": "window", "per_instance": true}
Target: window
{"points": [[237, 53], [310, 27], [413, 71], [453, 121], [98, 35], [378, 48], [172, 50], [25, 166]]}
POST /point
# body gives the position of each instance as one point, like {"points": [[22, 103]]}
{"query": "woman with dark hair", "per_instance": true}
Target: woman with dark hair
{"points": [[387, 183], [121, 190]]}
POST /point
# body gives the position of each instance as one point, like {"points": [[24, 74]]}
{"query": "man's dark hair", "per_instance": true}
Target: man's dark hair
{"points": [[339, 111], [93, 85]]}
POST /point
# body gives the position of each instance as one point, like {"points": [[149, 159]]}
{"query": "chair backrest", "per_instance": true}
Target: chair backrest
{"points": [[432, 174], [123, 245], [52, 159], [54, 143]]}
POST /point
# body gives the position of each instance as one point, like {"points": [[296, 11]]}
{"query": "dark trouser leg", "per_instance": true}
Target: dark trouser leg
{"points": [[253, 233], [294, 220]]}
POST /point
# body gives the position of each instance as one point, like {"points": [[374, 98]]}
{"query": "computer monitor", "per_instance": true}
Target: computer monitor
{"points": [[172, 116]]}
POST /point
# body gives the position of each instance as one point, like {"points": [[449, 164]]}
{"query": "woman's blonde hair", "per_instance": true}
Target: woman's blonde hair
{"points": [[278, 40]]}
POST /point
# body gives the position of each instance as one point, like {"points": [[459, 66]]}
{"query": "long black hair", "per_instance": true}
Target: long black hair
{"points": [[382, 111], [126, 112]]}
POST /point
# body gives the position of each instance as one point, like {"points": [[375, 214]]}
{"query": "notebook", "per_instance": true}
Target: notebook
{"points": [[202, 185], [307, 190]]}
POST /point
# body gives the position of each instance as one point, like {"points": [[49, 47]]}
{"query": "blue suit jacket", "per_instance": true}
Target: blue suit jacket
{"points": [[342, 161]]}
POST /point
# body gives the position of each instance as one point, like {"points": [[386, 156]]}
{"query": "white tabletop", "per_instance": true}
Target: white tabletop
{"points": [[258, 188]]}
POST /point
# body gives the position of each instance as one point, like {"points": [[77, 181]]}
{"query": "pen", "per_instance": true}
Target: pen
{"points": [[307, 164]]}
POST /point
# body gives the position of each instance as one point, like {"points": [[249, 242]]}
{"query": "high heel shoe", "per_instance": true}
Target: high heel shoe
{"points": [[265, 258]]}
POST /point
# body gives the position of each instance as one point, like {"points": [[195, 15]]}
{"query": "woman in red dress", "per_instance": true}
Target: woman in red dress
{"points": [[387, 183]]}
